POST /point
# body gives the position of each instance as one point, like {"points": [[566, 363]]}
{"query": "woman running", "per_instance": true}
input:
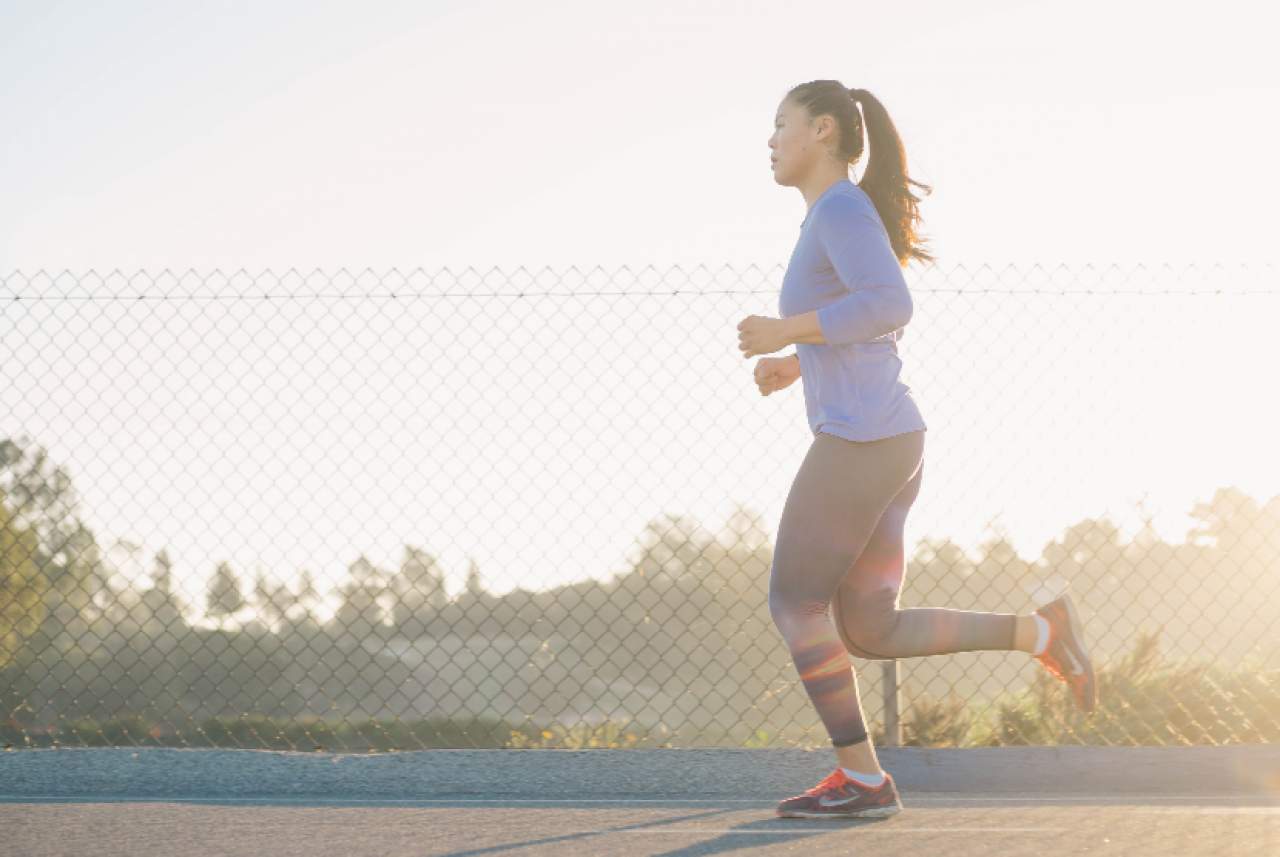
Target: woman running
{"points": [[843, 303]]}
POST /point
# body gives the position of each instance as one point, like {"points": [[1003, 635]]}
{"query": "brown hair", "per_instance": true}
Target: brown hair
{"points": [[885, 179]]}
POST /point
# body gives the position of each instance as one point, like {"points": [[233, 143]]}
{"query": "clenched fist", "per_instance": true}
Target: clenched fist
{"points": [[760, 334], [774, 373]]}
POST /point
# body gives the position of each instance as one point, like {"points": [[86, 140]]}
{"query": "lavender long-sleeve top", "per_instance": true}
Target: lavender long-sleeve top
{"points": [[844, 267]]}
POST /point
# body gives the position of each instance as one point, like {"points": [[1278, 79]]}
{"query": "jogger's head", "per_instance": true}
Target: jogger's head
{"points": [[819, 125], [816, 121]]}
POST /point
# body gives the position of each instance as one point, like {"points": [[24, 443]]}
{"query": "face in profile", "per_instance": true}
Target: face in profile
{"points": [[794, 145]]}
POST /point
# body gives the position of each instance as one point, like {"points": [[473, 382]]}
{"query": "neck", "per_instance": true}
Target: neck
{"points": [[817, 184]]}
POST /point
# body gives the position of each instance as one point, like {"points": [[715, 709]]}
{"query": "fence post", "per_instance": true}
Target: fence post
{"points": [[892, 725]]}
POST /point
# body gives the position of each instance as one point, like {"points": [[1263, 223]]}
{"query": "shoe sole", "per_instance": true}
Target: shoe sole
{"points": [[869, 812]]}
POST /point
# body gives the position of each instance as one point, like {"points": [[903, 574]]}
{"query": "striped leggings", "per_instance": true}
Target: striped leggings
{"points": [[840, 545]]}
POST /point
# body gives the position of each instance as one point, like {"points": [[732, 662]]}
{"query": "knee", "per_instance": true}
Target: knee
{"points": [[793, 613], [873, 621], [784, 605], [858, 651]]}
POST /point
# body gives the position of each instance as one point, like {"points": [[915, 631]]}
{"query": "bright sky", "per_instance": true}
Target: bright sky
{"points": [[501, 134]]}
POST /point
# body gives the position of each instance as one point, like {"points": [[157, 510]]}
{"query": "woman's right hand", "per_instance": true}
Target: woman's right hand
{"points": [[774, 373]]}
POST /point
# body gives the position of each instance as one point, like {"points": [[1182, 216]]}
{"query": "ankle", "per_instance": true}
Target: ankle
{"points": [[1033, 634], [863, 771], [873, 779], [860, 758], [1028, 632]]}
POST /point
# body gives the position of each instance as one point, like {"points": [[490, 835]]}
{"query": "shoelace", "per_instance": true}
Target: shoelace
{"points": [[1055, 666], [1047, 657], [830, 781]]}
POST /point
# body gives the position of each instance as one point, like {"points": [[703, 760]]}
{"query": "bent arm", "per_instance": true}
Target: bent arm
{"points": [[865, 315], [860, 317], [878, 301]]}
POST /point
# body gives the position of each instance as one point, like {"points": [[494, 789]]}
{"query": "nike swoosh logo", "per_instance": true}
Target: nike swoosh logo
{"points": [[1076, 668], [826, 801]]}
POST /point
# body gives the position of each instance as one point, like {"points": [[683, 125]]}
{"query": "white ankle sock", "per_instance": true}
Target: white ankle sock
{"points": [[865, 779], [1042, 634]]}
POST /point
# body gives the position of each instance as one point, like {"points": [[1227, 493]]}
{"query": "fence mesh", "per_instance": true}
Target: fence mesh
{"points": [[362, 511]]}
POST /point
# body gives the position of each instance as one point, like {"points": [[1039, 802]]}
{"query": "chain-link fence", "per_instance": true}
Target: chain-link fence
{"points": [[396, 511]]}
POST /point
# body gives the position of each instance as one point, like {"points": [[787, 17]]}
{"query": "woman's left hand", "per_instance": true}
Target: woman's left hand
{"points": [[758, 334]]}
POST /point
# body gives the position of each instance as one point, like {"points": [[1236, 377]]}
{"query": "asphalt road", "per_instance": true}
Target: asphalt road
{"points": [[991, 801]]}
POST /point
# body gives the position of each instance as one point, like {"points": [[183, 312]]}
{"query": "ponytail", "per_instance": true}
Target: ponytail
{"points": [[885, 178]]}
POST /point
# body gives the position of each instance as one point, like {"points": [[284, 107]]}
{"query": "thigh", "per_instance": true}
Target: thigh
{"points": [[836, 500], [882, 563], [868, 594]]}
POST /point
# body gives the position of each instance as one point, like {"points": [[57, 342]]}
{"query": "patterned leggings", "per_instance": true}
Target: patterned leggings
{"points": [[840, 542]]}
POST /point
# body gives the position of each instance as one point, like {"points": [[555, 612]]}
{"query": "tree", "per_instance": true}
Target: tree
{"points": [[223, 597], [161, 604], [270, 600], [360, 613], [419, 593], [22, 585], [42, 500]]}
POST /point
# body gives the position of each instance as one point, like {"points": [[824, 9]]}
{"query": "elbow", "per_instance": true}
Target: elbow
{"points": [[906, 309], [865, 315]]}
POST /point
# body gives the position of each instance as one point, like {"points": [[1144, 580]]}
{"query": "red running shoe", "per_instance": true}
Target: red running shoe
{"points": [[840, 796], [1064, 656]]}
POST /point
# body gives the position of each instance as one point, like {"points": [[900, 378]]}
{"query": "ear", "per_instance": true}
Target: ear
{"points": [[826, 124]]}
